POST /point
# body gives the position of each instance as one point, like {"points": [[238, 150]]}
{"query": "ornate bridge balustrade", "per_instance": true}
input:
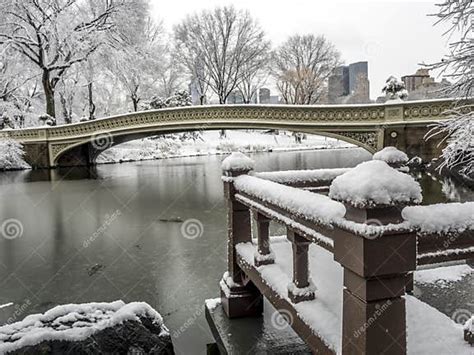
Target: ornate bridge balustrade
{"points": [[371, 126], [374, 249]]}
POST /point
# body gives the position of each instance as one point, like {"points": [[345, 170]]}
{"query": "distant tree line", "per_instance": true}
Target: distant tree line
{"points": [[71, 60]]}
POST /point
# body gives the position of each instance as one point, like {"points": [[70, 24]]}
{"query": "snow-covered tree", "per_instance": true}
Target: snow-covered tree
{"points": [[11, 155], [179, 99], [395, 89], [253, 80], [458, 67], [224, 43], [138, 57], [55, 35], [302, 65], [199, 78]]}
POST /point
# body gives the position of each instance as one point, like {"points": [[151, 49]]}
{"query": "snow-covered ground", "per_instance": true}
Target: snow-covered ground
{"points": [[210, 142]]}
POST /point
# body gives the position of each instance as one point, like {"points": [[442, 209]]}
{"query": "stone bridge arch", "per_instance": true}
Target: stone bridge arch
{"points": [[85, 151], [371, 126]]}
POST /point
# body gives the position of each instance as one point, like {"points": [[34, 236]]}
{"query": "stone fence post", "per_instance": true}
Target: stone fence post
{"points": [[375, 265], [239, 296]]}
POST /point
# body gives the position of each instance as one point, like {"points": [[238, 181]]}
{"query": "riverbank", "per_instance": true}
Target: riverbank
{"points": [[211, 143]]}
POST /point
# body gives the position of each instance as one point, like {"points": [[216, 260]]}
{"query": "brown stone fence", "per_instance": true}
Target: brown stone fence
{"points": [[377, 249]]}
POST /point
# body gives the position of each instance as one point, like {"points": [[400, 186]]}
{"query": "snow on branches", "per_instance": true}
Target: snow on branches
{"points": [[458, 155], [11, 155]]}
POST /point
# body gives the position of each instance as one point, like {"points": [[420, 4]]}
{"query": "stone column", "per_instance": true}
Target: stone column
{"points": [[238, 295], [375, 277], [301, 288], [264, 256], [376, 259]]}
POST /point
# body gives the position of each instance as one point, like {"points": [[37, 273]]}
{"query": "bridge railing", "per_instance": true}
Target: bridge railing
{"points": [[377, 258]]}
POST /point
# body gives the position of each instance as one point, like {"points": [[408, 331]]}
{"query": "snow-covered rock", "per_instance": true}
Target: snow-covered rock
{"points": [[391, 155], [441, 218], [375, 183], [305, 204], [238, 161], [99, 327], [11, 155]]}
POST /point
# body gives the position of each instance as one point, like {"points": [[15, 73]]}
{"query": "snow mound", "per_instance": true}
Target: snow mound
{"points": [[238, 161], [441, 218], [391, 155], [305, 204], [295, 176], [72, 322], [375, 183]]}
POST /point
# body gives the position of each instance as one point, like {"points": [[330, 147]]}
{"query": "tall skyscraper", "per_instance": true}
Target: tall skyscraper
{"points": [[349, 84]]}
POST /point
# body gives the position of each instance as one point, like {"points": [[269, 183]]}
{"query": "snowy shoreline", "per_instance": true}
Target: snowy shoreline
{"points": [[190, 155], [211, 144]]}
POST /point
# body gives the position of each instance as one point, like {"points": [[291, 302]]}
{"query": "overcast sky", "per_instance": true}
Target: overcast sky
{"points": [[393, 36]]}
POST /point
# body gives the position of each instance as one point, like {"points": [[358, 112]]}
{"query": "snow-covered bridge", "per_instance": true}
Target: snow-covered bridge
{"points": [[371, 126]]}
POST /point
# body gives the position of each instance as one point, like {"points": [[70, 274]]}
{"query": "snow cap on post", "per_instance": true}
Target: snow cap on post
{"points": [[237, 163], [375, 184], [391, 155]]}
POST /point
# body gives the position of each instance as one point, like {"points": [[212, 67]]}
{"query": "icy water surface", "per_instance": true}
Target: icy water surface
{"points": [[119, 232]]}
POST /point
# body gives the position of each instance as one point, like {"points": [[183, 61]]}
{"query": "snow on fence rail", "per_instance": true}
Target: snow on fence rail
{"points": [[295, 177], [375, 183], [442, 218], [301, 203]]}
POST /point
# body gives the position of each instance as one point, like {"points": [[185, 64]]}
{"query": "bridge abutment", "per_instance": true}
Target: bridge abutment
{"points": [[412, 140], [37, 155]]}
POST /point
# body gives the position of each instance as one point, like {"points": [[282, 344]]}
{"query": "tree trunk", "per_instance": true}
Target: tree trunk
{"points": [[135, 99], [66, 113], [49, 94], [91, 101]]}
